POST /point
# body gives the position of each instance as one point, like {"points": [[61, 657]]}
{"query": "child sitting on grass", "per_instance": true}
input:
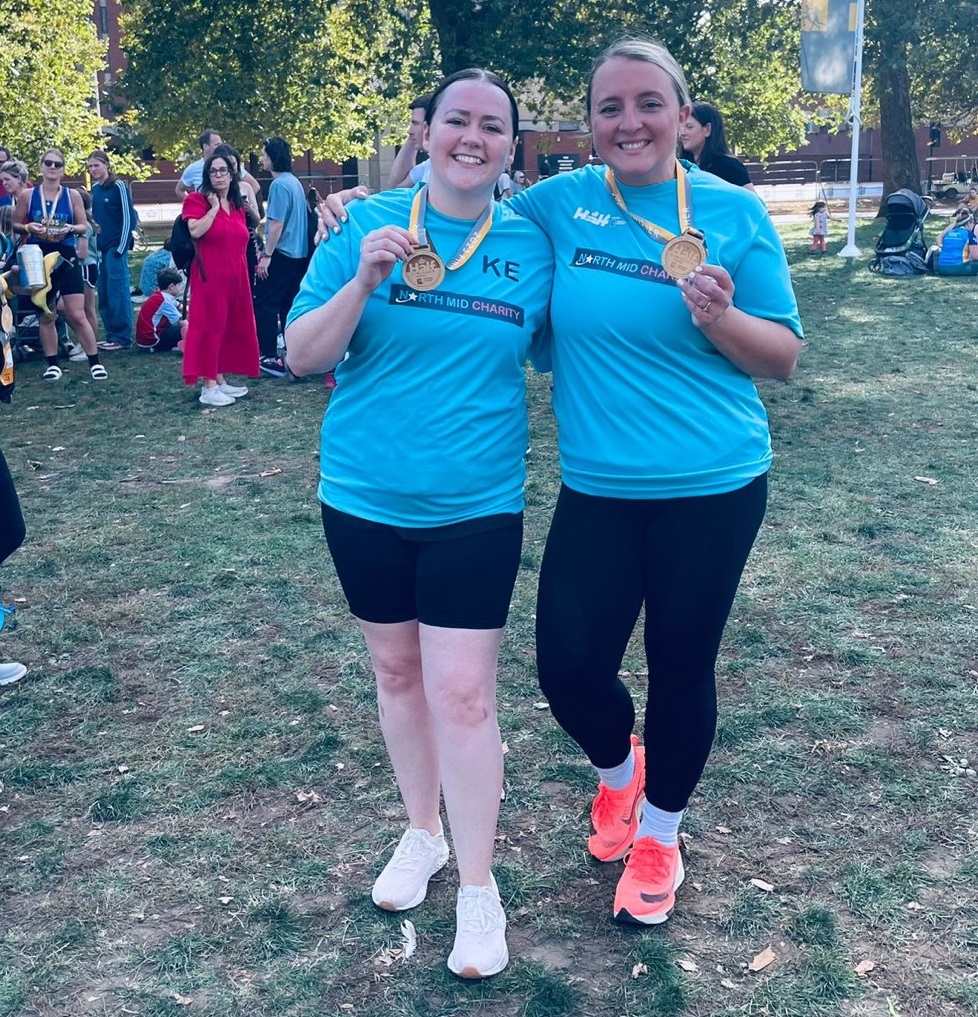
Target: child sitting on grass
{"points": [[160, 325]]}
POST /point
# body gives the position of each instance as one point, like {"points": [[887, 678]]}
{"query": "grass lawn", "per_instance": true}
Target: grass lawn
{"points": [[195, 794]]}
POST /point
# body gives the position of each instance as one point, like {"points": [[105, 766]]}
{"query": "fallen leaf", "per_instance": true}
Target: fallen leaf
{"points": [[182, 1000], [762, 884], [410, 938], [784, 840], [123, 769], [225, 900], [724, 829], [727, 984], [58, 448], [195, 728], [639, 969], [273, 472], [926, 480], [536, 706], [762, 960], [505, 748], [687, 964], [914, 906], [864, 967]]}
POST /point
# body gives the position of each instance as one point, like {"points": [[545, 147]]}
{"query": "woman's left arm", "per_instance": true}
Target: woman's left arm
{"points": [[758, 346]]}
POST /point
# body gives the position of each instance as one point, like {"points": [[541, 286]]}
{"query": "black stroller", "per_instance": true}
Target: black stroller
{"points": [[902, 249]]}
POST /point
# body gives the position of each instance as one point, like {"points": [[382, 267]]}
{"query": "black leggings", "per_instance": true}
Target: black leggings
{"points": [[605, 557], [12, 530]]}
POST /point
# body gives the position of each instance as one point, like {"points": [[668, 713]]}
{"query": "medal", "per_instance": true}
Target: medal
{"points": [[684, 253], [423, 270]]}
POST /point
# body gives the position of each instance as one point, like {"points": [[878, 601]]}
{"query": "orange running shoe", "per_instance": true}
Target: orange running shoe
{"points": [[646, 892], [614, 814]]}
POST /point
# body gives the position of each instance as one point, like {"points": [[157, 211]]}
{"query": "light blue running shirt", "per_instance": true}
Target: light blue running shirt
{"points": [[427, 425], [646, 406]]}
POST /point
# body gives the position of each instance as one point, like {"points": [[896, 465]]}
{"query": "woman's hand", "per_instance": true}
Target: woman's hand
{"points": [[214, 201], [332, 211], [380, 250], [707, 291]]}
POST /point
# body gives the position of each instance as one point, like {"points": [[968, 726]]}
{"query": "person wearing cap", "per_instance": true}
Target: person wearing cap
{"points": [[115, 215]]}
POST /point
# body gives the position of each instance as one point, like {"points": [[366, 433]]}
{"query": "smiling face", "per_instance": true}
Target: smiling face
{"points": [[635, 118], [470, 140], [693, 135]]}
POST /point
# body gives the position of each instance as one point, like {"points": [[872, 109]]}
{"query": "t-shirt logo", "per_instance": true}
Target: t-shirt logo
{"points": [[457, 303], [595, 218]]}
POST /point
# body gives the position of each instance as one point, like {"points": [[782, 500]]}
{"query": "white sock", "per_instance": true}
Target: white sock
{"points": [[620, 776], [661, 825]]}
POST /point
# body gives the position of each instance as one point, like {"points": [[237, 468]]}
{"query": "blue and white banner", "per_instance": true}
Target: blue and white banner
{"points": [[828, 45]]}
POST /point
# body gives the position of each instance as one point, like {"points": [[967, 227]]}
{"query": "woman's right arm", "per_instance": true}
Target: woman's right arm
{"points": [[317, 340], [198, 227]]}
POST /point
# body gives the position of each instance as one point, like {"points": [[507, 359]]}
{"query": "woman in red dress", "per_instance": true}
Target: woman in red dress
{"points": [[221, 332]]}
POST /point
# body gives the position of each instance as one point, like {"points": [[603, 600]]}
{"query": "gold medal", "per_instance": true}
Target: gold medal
{"points": [[423, 269], [682, 254]]}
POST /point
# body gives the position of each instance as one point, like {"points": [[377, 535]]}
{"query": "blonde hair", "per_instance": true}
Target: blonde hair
{"points": [[649, 52]]}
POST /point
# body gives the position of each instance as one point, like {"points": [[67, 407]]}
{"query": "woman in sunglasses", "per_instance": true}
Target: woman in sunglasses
{"points": [[221, 334], [53, 217]]}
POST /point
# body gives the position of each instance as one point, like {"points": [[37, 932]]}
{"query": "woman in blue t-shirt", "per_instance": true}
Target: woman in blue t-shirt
{"points": [[426, 305], [671, 292]]}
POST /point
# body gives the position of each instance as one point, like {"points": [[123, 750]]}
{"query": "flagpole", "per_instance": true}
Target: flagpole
{"points": [[855, 106]]}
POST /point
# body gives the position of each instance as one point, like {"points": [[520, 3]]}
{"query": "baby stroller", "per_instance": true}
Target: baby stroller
{"points": [[902, 250]]}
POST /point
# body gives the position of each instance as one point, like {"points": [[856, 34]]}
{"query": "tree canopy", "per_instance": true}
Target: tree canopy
{"points": [[50, 57], [329, 74], [325, 75]]}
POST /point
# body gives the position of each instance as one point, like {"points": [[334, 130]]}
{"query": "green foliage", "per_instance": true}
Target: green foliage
{"points": [[51, 55], [324, 75]]}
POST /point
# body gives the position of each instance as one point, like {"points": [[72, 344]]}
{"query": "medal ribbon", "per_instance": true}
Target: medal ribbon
{"points": [[50, 207], [684, 201], [477, 234]]}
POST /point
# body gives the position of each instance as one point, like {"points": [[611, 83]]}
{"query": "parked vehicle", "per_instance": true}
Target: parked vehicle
{"points": [[950, 177]]}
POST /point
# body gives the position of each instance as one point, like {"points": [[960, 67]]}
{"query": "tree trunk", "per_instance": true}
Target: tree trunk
{"points": [[452, 24], [900, 165]]}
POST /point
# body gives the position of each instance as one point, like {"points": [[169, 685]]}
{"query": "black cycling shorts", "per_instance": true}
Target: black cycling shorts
{"points": [[455, 577]]}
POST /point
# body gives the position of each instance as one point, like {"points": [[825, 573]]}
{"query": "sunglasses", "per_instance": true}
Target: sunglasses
{"points": [[52, 164]]}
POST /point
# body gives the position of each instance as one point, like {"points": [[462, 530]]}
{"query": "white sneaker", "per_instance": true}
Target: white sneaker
{"points": [[213, 396], [77, 354], [10, 673], [404, 882], [234, 391], [480, 937]]}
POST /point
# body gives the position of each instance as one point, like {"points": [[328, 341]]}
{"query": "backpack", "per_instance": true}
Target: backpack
{"points": [[182, 247]]}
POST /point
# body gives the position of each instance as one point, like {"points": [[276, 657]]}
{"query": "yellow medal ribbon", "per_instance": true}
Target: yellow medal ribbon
{"points": [[477, 234], [683, 200]]}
